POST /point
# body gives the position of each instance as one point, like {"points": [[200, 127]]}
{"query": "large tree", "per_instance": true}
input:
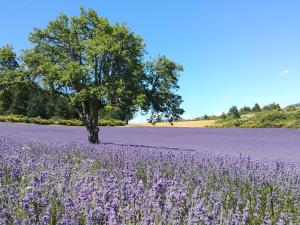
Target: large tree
{"points": [[88, 60], [94, 64]]}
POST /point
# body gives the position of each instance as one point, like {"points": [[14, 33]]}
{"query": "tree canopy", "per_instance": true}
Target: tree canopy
{"points": [[161, 80], [234, 112], [256, 108]]}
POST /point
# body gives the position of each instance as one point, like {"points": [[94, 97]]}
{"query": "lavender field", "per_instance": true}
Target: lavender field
{"points": [[51, 175], [263, 143]]}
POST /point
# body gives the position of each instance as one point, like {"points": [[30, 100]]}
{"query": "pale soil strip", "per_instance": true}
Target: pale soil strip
{"points": [[199, 123]]}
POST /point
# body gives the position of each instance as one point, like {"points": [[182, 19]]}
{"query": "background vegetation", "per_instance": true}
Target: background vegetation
{"points": [[56, 121], [269, 116]]}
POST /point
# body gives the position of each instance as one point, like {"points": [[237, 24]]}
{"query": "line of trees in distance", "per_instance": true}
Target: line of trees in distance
{"points": [[235, 112]]}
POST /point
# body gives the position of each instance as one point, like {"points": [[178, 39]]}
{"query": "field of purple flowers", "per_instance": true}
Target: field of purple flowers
{"points": [[70, 183]]}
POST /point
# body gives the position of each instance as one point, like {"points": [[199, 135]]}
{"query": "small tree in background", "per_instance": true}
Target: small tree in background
{"points": [[8, 60], [234, 112], [245, 110], [159, 87], [223, 116], [272, 106], [256, 108]]}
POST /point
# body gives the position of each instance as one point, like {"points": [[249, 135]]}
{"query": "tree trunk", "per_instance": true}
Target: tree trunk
{"points": [[88, 113], [93, 135], [92, 127], [126, 121]]}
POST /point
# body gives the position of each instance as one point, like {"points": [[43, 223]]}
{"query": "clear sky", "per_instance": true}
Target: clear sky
{"points": [[234, 52]]}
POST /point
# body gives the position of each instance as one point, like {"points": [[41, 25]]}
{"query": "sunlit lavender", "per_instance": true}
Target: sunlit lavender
{"points": [[44, 183]]}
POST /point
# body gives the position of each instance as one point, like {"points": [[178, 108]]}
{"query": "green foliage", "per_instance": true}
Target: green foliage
{"points": [[6, 99], [223, 116], [256, 108], [234, 112], [8, 67], [272, 119], [245, 110], [12, 118], [288, 118], [36, 106], [8, 60], [110, 112], [291, 108], [205, 117], [56, 121], [31, 102], [110, 122], [70, 122], [21, 119], [162, 77], [39, 120], [20, 101], [272, 106], [22, 96]]}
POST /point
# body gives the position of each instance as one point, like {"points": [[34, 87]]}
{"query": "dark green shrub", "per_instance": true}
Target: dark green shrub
{"points": [[55, 120], [265, 119], [110, 122], [272, 119], [70, 122], [272, 106], [11, 118], [245, 110], [256, 108], [39, 120], [234, 112]]}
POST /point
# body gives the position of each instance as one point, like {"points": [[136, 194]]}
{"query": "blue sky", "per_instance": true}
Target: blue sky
{"points": [[234, 52]]}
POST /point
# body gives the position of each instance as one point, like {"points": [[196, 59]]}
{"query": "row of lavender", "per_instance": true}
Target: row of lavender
{"points": [[111, 184]]}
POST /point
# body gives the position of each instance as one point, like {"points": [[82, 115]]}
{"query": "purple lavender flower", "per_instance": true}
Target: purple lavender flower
{"points": [[112, 183]]}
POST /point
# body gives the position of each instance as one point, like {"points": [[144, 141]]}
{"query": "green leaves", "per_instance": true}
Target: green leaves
{"points": [[8, 60], [84, 52], [162, 76], [234, 112], [87, 94], [8, 67]]}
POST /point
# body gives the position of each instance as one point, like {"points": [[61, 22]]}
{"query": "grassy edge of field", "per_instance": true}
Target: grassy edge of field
{"points": [[56, 121], [265, 119], [102, 122]]}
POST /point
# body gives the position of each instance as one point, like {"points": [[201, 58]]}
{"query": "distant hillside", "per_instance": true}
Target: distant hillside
{"points": [[268, 116], [295, 105], [282, 118]]}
